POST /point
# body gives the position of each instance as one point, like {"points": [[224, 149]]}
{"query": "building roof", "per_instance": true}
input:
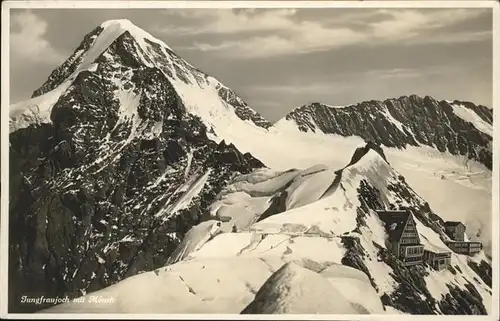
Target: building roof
{"points": [[452, 223], [395, 222], [435, 249]]}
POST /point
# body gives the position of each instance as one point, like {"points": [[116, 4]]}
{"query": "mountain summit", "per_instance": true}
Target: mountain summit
{"points": [[117, 45], [114, 158]]}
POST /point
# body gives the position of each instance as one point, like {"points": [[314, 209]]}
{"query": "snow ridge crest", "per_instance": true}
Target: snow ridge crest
{"points": [[126, 25]]}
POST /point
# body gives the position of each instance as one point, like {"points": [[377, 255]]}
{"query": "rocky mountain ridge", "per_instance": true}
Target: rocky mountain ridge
{"points": [[456, 127]]}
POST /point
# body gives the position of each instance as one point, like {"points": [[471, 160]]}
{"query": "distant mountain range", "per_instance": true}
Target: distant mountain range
{"points": [[456, 127]]}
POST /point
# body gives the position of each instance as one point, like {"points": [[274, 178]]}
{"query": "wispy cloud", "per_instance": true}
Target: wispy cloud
{"points": [[405, 73], [27, 42], [395, 73], [292, 34], [226, 21], [315, 88]]}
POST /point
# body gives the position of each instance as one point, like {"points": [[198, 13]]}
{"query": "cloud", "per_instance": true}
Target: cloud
{"points": [[406, 73], [395, 73], [274, 32], [27, 42], [226, 21], [420, 26], [265, 46], [407, 23], [314, 88]]}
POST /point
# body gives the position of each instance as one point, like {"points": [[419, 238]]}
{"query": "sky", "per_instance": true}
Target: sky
{"points": [[280, 59]]}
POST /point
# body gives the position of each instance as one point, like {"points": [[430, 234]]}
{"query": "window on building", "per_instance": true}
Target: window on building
{"points": [[413, 259], [407, 240], [414, 250]]}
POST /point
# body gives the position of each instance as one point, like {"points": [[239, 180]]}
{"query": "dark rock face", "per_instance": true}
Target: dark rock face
{"points": [[402, 122], [460, 301], [411, 295], [354, 256], [232, 157], [483, 269], [361, 151], [278, 205], [242, 109], [102, 193]]}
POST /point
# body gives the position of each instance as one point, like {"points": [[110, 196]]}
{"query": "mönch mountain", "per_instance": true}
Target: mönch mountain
{"points": [[115, 168], [137, 177]]}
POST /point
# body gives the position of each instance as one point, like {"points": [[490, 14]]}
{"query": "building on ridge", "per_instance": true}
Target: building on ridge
{"points": [[403, 240], [455, 230], [457, 242]]}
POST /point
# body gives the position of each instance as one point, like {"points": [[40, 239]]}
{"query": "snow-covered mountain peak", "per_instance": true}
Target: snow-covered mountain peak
{"points": [[125, 24], [119, 26], [117, 51], [115, 28], [127, 116]]}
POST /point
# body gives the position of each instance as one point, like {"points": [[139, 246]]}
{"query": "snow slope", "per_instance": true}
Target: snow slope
{"points": [[188, 191], [224, 286], [288, 255], [470, 116], [295, 289], [456, 187], [34, 111], [194, 240]]}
